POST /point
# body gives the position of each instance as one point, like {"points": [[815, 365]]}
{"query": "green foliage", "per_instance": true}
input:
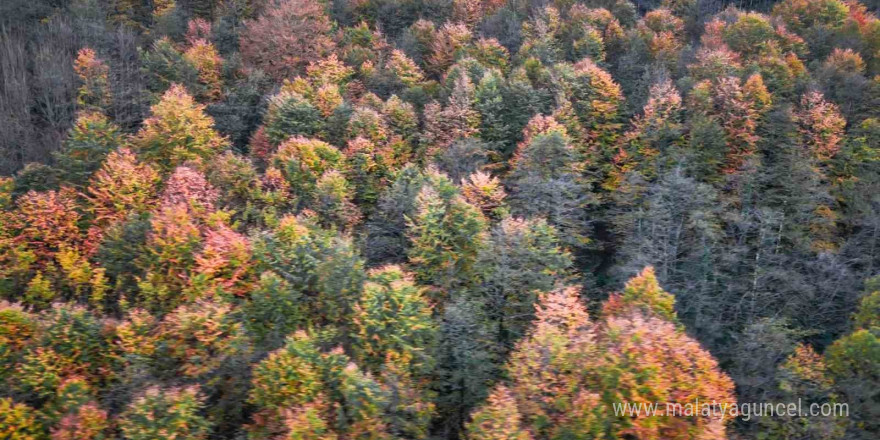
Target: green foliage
{"points": [[119, 249], [39, 291], [800, 15], [520, 259], [749, 33], [88, 142], [855, 355], [71, 342], [289, 114], [178, 131], [386, 227], [301, 219], [868, 314], [17, 327], [274, 310], [72, 394], [289, 376], [165, 413], [393, 321], [36, 177], [446, 234], [19, 422], [333, 202], [854, 363], [546, 182], [300, 376], [465, 362], [303, 161], [318, 264], [200, 337], [166, 66]]}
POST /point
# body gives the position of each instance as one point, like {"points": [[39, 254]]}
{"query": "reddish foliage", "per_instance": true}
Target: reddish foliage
{"points": [[46, 221], [261, 147], [187, 186], [445, 43], [821, 125], [122, 186], [225, 260], [198, 29], [287, 37]]}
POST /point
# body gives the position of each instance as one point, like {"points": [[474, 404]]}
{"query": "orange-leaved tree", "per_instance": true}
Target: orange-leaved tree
{"points": [[569, 372]]}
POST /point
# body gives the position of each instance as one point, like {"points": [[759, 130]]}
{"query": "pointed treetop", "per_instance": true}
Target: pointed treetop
{"points": [[643, 293], [178, 131], [562, 308], [499, 419]]}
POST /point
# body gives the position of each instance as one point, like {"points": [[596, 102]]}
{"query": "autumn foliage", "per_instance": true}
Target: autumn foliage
{"points": [[288, 36], [458, 219], [178, 131], [565, 373]]}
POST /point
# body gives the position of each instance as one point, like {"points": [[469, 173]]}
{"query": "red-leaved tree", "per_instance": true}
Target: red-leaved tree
{"points": [[287, 37]]}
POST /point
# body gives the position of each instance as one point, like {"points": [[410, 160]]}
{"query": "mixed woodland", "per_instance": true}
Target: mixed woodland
{"points": [[437, 219]]}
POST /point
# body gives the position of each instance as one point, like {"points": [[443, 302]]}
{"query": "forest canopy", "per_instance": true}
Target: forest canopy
{"points": [[437, 219]]}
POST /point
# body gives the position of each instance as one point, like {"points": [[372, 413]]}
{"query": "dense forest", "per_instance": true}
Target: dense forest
{"points": [[437, 219]]}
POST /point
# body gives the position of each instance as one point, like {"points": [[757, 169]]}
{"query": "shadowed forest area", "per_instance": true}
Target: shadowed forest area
{"points": [[437, 219]]}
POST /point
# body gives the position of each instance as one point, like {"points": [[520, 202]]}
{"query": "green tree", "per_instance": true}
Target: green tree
{"points": [[198, 338], [178, 131], [72, 342], [333, 202], [393, 322], [17, 328], [325, 387], [446, 234], [316, 263], [546, 182], [499, 419], [164, 65], [290, 114], [92, 137], [303, 161], [19, 421], [165, 413], [274, 310], [854, 363]]}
